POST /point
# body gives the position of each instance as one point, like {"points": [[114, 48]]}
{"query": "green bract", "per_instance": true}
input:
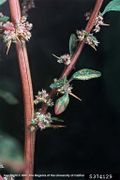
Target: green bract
{"points": [[72, 44], [61, 104], [112, 6], [86, 74], [4, 19], [58, 83]]}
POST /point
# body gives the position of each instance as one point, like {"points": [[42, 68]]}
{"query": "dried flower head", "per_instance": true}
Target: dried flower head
{"points": [[88, 38], [43, 97], [16, 32], [65, 59]]}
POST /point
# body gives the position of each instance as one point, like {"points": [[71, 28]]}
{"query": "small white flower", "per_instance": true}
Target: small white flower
{"points": [[87, 15], [66, 88], [65, 59], [88, 38], [99, 22], [81, 34], [43, 97]]}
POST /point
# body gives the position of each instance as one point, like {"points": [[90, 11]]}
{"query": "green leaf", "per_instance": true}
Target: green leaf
{"points": [[4, 19], [86, 74], [58, 83], [8, 97], [10, 152], [114, 5], [61, 104], [72, 44], [2, 1]]}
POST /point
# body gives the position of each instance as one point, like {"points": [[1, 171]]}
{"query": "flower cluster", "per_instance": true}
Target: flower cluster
{"points": [[65, 59], [43, 97], [99, 22], [63, 86], [41, 120], [66, 88], [88, 38], [16, 32]]}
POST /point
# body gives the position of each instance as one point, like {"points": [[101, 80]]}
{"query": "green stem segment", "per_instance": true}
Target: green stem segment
{"points": [[27, 93]]}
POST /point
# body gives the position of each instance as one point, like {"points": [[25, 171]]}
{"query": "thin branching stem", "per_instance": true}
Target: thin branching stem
{"points": [[27, 91], [77, 53], [27, 84]]}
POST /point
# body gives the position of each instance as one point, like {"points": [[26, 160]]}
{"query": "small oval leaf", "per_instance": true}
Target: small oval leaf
{"points": [[112, 6], [72, 44], [86, 74], [61, 104]]}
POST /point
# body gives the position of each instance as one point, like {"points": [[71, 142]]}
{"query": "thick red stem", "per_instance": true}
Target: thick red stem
{"points": [[77, 53], [27, 93]]}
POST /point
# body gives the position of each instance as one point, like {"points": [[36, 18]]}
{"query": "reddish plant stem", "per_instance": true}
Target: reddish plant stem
{"points": [[77, 53], [27, 93], [1, 178]]}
